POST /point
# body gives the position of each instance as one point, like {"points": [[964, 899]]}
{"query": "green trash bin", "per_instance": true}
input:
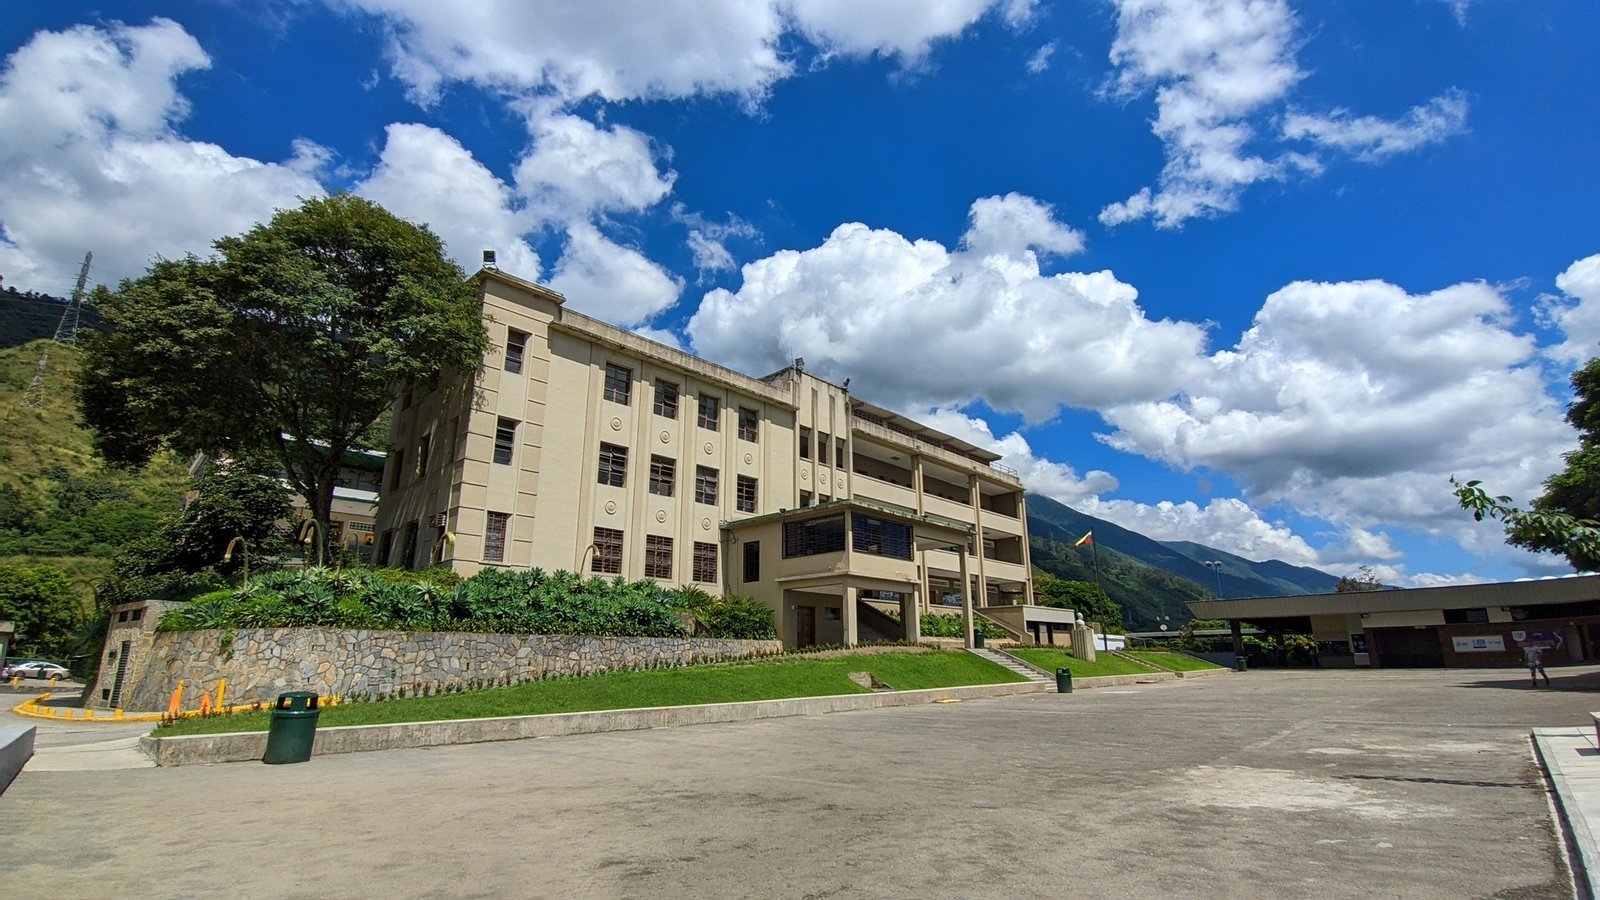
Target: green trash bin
{"points": [[293, 728], [1242, 664], [1063, 680], [977, 638]]}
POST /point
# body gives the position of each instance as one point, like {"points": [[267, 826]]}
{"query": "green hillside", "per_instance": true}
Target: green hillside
{"points": [[27, 316], [59, 504], [1154, 578]]}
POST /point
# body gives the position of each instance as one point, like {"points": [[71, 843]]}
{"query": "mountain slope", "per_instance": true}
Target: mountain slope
{"points": [[1154, 579]]}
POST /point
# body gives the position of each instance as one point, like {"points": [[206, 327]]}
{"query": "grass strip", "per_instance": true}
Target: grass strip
{"points": [[1177, 662], [762, 680], [1104, 663]]}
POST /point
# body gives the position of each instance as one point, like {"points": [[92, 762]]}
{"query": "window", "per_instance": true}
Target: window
{"points": [[657, 556], [613, 465], [494, 536], [505, 440], [805, 499], [423, 448], [749, 425], [813, 536], [408, 552], [666, 399], [745, 494], [752, 562], [822, 448], [384, 543], [136, 615], [398, 470], [619, 384], [1466, 616], [805, 443], [839, 458], [516, 342], [705, 485], [663, 472], [607, 551], [879, 537], [710, 412], [705, 561]]}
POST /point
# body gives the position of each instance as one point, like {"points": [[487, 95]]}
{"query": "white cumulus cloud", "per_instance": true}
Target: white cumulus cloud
{"points": [[1216, 68], [92, 160], [612, 282], [1577, 314], [426, 176], [576, 169], [918, 325]]}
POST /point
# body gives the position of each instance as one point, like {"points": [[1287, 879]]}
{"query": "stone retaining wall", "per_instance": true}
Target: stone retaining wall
{"points": [[260, 663]]}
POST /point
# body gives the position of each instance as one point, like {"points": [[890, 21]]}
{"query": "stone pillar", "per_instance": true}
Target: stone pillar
{"points": [[911, 616], [848, 614], [1083, 641], [966, 597]]}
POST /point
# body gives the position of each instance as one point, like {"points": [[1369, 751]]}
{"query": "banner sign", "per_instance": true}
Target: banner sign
{"points": [[1547, 639], [1493, 643]]}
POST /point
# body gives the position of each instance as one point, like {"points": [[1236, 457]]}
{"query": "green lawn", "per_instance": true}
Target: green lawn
{"points": [[765, 680], [1104, 663], [1178, 662]]}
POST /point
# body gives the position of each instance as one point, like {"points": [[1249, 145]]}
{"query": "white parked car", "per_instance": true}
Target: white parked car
{"points": [[35, 668]]}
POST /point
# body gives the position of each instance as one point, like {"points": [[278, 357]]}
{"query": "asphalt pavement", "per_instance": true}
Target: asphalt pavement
{"points": [[1260, 784]]}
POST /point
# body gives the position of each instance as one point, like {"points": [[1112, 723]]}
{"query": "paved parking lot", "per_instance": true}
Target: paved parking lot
{"points": [[1266, 784]]}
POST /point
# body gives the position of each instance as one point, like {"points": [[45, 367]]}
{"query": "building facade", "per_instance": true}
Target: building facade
{"points": [[585, 447]]}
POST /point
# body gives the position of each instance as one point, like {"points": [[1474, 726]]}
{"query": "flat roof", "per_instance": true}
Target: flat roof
{"points": [[1460, 596]]}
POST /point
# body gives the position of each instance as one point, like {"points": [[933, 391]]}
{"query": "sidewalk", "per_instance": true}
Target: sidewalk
{"points": [[1571, 758]]}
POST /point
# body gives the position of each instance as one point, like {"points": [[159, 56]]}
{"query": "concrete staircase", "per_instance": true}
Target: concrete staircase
{"points": [[1006, 660]]}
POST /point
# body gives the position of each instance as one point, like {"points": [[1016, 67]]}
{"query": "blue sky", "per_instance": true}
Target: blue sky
{"points": [[1256, 273]]}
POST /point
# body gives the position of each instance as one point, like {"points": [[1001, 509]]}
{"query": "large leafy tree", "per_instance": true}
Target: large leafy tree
{"points": [[1085, 598], [288, 344], [40, 602], [1565, 519]]}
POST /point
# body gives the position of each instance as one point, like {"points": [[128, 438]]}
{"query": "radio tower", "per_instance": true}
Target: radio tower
{"points": [[66, 333]]}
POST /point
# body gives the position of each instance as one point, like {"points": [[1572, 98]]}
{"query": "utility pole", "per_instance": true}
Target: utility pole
{"points": [[66, 333]]}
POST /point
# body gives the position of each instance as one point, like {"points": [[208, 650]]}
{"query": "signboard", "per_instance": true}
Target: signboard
{"points": [[1358, 642], [1549, 640], [1492, 643]]}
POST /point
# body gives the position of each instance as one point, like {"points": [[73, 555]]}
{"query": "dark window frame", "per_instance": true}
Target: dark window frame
{"points": [[705, 562], [752, 562], [658, 557], [613, 468], [749, 425], [880, 537], [496, 535], [746, 493], [814, 537], [516, 349], [706, 482], [619, 384], [709, 415], [505, 441], [608, 547], [663, 475], [666, 399]]}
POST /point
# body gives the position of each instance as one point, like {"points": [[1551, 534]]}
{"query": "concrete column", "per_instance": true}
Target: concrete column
{"points": [[1238, 637], [966, 596], [911, 615], [848, 613]]}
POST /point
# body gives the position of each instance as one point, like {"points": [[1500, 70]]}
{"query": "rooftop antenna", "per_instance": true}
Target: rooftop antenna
{"points": [[66, 334]]}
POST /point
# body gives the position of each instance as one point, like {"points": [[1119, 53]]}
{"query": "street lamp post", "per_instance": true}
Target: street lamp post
{"points": [[1215, 565]]}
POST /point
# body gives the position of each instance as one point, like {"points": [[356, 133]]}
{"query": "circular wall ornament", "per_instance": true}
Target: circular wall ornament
{"points": [[611, 506], [666, 437], [805, 475], [705, 524], [708, 448], [616, 423], [749, 458], [661, 515]]}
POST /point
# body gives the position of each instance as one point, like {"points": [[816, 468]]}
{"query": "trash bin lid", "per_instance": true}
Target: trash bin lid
{"points": [[297, 700]]}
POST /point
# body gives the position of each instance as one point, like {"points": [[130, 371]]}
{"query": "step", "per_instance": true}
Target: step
{"points": [[1013, 664]]}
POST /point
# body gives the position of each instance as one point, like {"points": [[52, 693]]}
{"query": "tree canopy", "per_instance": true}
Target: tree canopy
{"points": [[1085, 598], [40, 602], [1565, 519], [287, 344]]}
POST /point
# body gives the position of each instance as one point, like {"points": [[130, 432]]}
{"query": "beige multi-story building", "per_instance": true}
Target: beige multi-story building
{"points": [[585, 447]]}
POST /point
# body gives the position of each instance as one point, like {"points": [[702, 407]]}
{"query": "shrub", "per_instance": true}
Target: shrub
{"points": [[948, 626], [733, 616]]}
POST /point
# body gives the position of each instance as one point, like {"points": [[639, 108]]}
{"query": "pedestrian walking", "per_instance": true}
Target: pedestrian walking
{"points": [[1535, 658]]}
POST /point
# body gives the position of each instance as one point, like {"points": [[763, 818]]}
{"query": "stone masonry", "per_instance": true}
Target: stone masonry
{"points": [[260, 663]]}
